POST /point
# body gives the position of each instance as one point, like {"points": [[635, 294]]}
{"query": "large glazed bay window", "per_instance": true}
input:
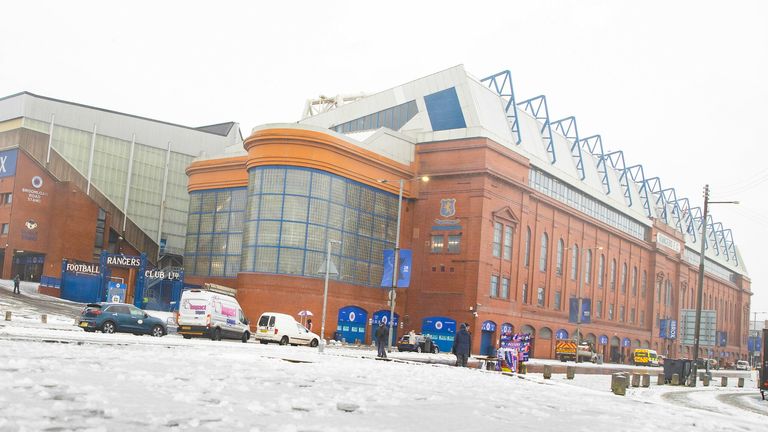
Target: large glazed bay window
{"points": [[215, 232], [293, 212]]}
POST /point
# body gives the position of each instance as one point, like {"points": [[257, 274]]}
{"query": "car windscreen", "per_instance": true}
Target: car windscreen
{"points": [[264, 320]]}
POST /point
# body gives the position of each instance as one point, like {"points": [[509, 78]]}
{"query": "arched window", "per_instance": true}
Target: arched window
{"points": [[543, 256], [634, 281], [601, 271], [644, 284], [613, 275], [624, 278], [588, 270], [527, 260], [559, 266], [574, 261]]}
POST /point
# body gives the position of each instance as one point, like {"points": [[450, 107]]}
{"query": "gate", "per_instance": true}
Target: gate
{"points": [[442, 331], [81, 287], [351, 324]]}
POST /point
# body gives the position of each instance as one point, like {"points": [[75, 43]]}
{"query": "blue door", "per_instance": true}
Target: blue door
{"points": [[351, 324], [81, 287], [383, 316], [487, 346], [441, 330]]}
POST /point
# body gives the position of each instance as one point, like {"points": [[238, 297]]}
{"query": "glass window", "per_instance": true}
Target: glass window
{"points": [[507, 242], [643, 284], [557, 300], [494, 286], [505, 288], [613, 275], [543, 256], [437, 243], [559, 262], [574, 261], [540, 296], [621, 313], [634, 282], [527, 259], [632, 315], [497, 233], [588, 270], [601, 271], [610, 311], [525, 293], [454, 243], [624, 278], [599, 309]]}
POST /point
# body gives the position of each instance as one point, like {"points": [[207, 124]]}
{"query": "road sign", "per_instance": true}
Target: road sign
{"points": [[707, 329]]}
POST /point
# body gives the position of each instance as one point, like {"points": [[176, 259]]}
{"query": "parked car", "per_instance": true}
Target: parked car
{"points": [[283, 329], [212, 314], [404, 344], [120, 317], [742, 365]]}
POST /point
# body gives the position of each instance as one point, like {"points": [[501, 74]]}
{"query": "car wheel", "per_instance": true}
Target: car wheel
{"points": [[216, 334], [187, 336], [245, 337], [435, 350], [284, 340], [418, 349], [157, 331], [313, 343], [263, 342], [108, 327]]}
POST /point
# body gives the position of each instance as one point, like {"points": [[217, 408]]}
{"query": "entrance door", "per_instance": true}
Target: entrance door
{"points": [[487, 346], [28, 265]]}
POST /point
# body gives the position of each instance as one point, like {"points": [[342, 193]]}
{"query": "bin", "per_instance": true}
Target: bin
{"points": [[428, 346], [599, 359], [681, 367]]}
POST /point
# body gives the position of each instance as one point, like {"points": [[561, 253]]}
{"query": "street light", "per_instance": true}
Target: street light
{"points": [[700, 289], [325, 293], [578, 295], [396, 264]]}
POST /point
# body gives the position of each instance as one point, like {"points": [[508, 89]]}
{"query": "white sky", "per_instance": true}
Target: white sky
{"points": [[679, 86]]}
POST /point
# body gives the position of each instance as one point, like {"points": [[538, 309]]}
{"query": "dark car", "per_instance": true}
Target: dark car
{"points": [[404, 344], [120, 317]]}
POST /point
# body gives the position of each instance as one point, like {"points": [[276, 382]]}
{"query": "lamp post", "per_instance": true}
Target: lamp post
{"points": [[396, 264], [580, 274], [325, 293], [700, 288]]}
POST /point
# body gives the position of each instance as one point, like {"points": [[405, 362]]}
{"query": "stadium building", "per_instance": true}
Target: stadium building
{"points": [[523, 216], [76, 181]]}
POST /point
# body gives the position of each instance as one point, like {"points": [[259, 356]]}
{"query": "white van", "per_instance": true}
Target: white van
{"points": [[213, 313], [283, 329]]}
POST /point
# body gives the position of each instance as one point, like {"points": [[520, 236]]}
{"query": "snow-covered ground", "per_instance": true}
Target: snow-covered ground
{"points": [[56, 377]]}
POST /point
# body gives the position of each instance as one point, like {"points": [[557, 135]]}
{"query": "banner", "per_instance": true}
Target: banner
{"points": [[586, 307], [403, 271]]}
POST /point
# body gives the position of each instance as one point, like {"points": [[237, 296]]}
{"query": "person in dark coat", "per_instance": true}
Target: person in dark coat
{"points": [[16, 282], [462, 343], [381, 340]]}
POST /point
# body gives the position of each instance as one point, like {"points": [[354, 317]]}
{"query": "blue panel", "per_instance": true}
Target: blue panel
{"points": [[441, 330], [8, 162], [81, 288], [351, 324], [383, 316], [403, 270], [561, 334], [444, 110]]}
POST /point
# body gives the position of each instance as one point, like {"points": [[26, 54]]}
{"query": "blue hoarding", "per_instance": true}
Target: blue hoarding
{"points": [[403, 272], [441, 330], [351, 324]]}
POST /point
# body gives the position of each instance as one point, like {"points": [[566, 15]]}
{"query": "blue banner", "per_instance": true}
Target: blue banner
{"points": [[663, 328], [8, 163], [586, 307], [668, 329], [404, 269], [722, 338]]}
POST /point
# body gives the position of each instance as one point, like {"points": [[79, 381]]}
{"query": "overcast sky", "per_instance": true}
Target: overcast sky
{"points": [[680, 86]]}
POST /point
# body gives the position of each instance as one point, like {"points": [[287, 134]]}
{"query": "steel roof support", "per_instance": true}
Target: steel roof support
{"points": [[537, 107], [637, 174], [594, 146], [570, 131], [617, 162], [501, 83]]}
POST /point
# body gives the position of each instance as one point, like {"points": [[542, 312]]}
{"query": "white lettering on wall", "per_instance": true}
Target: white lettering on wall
{"points": [[669, 242], [123, 261]]}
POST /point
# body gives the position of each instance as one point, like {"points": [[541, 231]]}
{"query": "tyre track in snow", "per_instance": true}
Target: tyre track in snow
{"points": [[735, 399]]}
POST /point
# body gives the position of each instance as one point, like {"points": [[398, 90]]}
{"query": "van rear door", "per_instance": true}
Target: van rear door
{"points": [[194, 310]]}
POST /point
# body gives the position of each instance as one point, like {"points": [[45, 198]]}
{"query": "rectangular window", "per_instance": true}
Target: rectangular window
{"points": [[540, 296], [632, 315], [494, 286], [4, 229], [507, 242], [505, 288], [525, 293], [642, 317], [8, 198], [557, 300], [454, 243], [496, 247], [437, 244], [621, 313], [610, 312], [599, 309]]}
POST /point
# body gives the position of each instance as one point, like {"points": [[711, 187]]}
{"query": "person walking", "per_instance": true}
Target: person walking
{"points": [[381, 340], [309, 324], [16, 283], [462, 343]]}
